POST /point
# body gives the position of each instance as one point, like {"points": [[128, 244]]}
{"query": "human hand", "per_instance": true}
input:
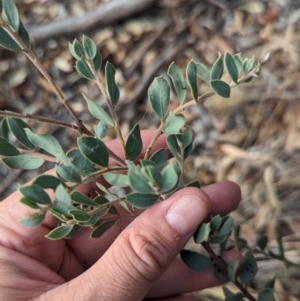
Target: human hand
{"points": [[133, 260]]}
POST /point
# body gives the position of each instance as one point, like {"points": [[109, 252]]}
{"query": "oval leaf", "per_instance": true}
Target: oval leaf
{"points": [[29, 203], [47, 181], [60, 232], [232, 269], [266, 295], [82, 199], [226, 227], [68, 173], [159, 95], [134, 144], [139, 181], [80, 215], [191, 74], [100, 130], [84, 165], [101, 229], [169, 178], [178, 81], [24, 34], [140, 200], [231, 67], [94, 150], [84, 70], [112, 88], [97, 111], [220, 87], [196, 261], [217, 69], [248, 268], [89, 47], [36, 194], [7, 149], [174, 124], [4, 129], [23, 162], [78, 49], [33, 220], [160, 158], [63, 204], [203, 71], [97, 60], [12, 14], [116, 179], [7, 41], [202, 233]]}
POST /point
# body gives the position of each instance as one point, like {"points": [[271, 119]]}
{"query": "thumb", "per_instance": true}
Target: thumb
{"points": [[145, 249]]}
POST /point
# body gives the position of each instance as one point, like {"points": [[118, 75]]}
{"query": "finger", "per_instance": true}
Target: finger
{"points": [[145, 249], [180, 279]]}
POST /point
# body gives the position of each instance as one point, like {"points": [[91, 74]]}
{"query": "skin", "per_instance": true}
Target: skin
{"points": [[134, 260]]}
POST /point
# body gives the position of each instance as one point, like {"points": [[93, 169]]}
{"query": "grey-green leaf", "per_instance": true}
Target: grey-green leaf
{"points": [[94, 150], [24, 34], [82, 199], [141, 200], [203, 71], [89, 47], [68, 173], [7, 149], [80, 215], [215, 223], [174, 124], [17, 127], [160, 158], [84, 70], [100, 130], [101, 229], [84, 165], [191, 74], [238, 62], [60, 232], [112, 88], [116, 179], [232, 269], [23, 162], [78, 50], [100, 200], [36, 194], [226, 227], [29, 203], [97, 111], [134, 143], [4, 129], [47, 181], [139, 181], [169, 178], [33, 220], [248, 268], [196, 261], [217, 69], [178, 81], [7, 41], [63, 204], [97, 60], [202, 233], [231, 67], [248, 64], [220, 87], [12, 14], [266, 294], [159, 95]]}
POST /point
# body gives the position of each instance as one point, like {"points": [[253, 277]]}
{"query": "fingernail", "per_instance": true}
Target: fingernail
{"points": [[188, 212]]}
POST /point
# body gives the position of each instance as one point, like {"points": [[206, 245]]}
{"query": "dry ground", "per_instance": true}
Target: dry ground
{"points": [[253, 138]]}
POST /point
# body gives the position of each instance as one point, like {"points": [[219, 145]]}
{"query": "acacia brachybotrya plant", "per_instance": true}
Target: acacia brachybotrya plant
{"points": [[149, 180]]}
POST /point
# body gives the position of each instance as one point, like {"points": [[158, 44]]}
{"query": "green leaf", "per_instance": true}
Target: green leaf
{"points": [[100, 130], [78, 50], [94, 150], [12, 14], [174, 124], [134, 144], [196, 261], [60, 232], [194, 183], [116, 179], [203, 71], [7, 149], [33, 220], [36, 194], [63, 204], [238, 62], [84, 165], [217, 69], [74, 231], [191, 74], [47, 181], [139, 181], [29, 203], [24, 34], [220, 87], [232, 69], [97, 111], [100, 200], [248, 64], [226, 227], [152, 173], [215, 223], [84, 70], [187, 137], [262, 242], [17, 127], [160, 158], [174, 147], [178, 81], [112, 88], [97, 60], [80, 215], [102, 228], [159, 95], [82, 199], [266, 294], [23, 162], [219, 275], [7, 41], [4, 129], [141, 200], [169, 178], [232, 269], [248, 268], [202, 233], [95, 218], [46, 142], [89, 47], [218, 239], [68, 173]]}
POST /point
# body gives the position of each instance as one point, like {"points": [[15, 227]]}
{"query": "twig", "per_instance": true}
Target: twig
{"points": [[103, 15]]}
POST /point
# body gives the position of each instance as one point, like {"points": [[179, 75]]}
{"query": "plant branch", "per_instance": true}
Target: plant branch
{"points": [[220, 264]]}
